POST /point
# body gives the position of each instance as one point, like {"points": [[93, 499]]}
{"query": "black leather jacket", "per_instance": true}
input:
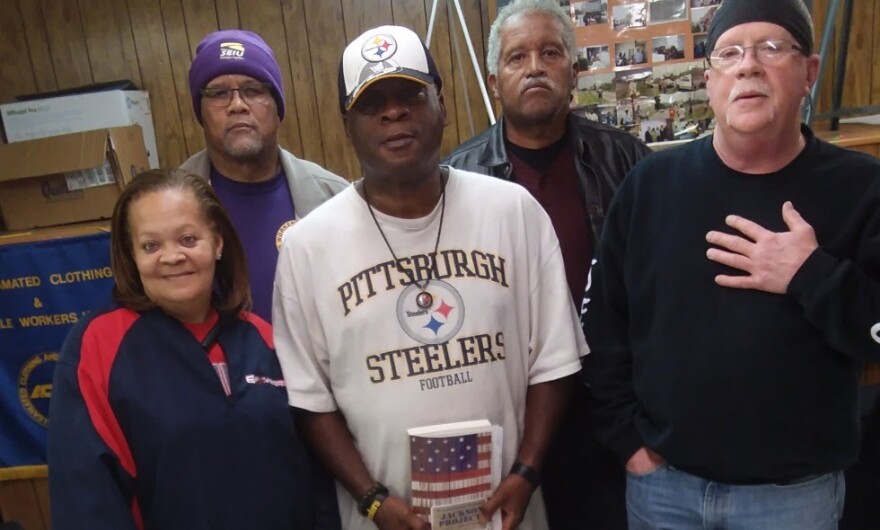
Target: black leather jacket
{"points": [[604, 156]]}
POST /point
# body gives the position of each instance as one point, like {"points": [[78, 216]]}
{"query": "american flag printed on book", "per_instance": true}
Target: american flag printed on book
{"points": [[450, 469]]}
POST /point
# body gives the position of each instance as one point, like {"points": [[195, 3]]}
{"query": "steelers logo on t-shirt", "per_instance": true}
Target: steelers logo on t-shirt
{"points": [[434, 324]]}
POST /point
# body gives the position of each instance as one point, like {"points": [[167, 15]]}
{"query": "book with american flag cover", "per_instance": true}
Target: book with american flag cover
{"points": [[455, 467]]}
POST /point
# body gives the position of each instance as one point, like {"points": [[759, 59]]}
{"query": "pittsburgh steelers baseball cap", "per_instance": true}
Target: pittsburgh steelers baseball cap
{"points": [[382, 53]]}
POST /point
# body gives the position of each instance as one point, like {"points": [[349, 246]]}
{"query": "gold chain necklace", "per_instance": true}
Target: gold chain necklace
{"points": [[423, 299]]}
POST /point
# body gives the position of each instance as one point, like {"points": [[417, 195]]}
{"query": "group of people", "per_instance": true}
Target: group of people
{"points": [[658, 134], [699, 48], [276, 331], [669, 53], [630, 57]]}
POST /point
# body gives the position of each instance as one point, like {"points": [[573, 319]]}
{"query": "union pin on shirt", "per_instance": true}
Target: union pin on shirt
{"points": [[279, 236]]}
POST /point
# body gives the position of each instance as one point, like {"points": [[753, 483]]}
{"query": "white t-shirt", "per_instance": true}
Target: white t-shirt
{"points": [[350, 335]]}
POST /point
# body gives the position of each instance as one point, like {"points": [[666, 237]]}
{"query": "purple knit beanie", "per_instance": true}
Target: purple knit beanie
{"points": [[234, 51]]}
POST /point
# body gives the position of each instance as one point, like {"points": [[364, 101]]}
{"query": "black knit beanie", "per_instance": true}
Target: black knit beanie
{"points": [[790, 14]]}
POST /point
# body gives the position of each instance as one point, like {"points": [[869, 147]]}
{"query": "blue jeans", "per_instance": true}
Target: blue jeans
{"points": [[668, 498]]}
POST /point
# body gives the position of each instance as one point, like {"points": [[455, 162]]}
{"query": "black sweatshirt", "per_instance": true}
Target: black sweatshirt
{"points": [[737, 386]]}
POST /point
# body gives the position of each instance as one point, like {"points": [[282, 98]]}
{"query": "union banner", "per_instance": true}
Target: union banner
{"points": [[45, 288]]}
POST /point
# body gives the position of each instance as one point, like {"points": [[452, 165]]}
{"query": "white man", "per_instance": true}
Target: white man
{"points": [[238, 99], [422, 295], [572, 166], [736, 291]]}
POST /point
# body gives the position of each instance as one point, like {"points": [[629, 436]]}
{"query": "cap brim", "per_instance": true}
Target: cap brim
{"points": [[404, 73]]}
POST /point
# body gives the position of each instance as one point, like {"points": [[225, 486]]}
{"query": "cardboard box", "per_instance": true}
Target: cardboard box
{"points": [[28, 120], [54, 232], [68, 179]]}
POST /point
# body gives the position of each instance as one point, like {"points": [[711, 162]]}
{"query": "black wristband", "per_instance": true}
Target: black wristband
{"points": [[377, 493], [527, 472]]}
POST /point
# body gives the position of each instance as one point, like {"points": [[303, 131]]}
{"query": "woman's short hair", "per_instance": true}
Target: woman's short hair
{"points": [[232, 291]]}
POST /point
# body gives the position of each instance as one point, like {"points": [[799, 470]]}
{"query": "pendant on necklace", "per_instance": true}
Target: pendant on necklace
{"points": [[424, 300]]}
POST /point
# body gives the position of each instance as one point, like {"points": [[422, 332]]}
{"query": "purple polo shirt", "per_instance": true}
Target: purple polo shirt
{"points": [[260, 212]]}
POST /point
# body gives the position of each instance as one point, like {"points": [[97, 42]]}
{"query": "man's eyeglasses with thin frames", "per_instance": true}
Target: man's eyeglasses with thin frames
{"points": [[769, 52], [250, 93]]}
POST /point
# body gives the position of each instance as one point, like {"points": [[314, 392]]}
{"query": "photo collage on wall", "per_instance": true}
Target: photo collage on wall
{"points": [[641, 65]]}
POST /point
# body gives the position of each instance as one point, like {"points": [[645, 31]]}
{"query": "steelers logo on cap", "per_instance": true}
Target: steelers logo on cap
{"points": [[379, 48]]}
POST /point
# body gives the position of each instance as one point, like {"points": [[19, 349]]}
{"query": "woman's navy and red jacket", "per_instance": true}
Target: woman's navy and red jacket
{"points": [[143, 436]]}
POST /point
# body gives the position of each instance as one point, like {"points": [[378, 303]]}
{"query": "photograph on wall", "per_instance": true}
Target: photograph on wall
{"points": [[627, 16], [681, 77], [700, 46], [501, 4], [667, 11], [590, 13], [592, 58], [668, 48], [604, 113], [633, 84], [596, 100], [643, 70], [595, 89], [629, 53], [633, 89], [681, 102], [701, 17], [626, 117]]}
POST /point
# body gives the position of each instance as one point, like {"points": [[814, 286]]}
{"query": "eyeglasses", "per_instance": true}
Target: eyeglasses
{"points": [[409, 95], [250, 93], [769, 52]]}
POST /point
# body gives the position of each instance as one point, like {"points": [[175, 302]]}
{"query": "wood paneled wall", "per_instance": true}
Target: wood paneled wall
{"points": [[49, 45], [26, 502], [55, 44], [862, 81]]}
